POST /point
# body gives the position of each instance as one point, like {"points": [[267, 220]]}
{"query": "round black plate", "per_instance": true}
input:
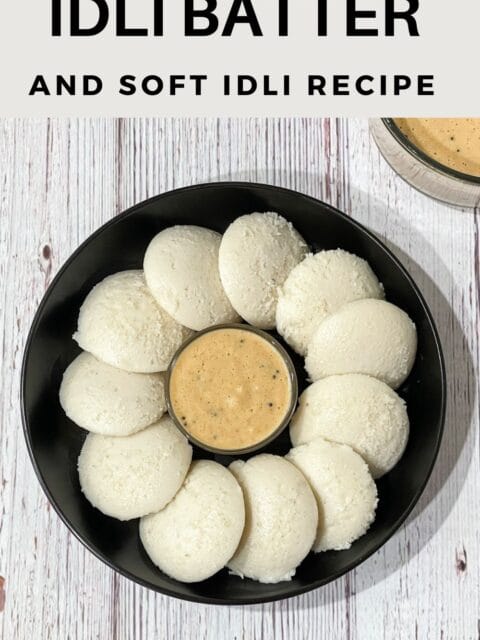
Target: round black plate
{"points": [[54, 442]]}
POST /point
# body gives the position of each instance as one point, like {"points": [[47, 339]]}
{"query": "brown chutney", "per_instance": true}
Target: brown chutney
{"points": [[453, 142], [230, 388]]}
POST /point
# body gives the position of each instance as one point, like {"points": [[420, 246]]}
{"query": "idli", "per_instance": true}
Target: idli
{"points": [[181, 268], [345, 491], [121, 324], [197, 533], [317, 287], [131, 477], [280, 519], [110, 401], [357, 410], [257, 253], [372, 337]]}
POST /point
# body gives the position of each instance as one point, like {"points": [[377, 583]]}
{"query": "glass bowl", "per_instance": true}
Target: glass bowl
{"points": [[422, 172], [292, 374]]}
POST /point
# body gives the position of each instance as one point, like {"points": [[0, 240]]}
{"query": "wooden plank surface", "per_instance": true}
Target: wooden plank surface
{"points": [[60, 180]]}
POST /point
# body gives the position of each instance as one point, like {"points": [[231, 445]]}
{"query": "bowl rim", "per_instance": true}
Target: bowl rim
{"points": [[216, 600], [292, 376]]}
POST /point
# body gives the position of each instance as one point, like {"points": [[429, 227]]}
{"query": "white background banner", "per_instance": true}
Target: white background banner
{"points": [[434, 73]]}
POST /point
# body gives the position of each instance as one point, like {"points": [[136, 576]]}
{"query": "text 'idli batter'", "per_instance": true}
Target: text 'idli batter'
{"points": [[230, 389]]}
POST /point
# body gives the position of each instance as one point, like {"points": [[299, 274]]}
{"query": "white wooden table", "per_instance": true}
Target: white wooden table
{"points": [[60, 180]]}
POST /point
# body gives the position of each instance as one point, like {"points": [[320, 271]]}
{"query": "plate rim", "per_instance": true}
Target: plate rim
{"points": [[212, 600]]}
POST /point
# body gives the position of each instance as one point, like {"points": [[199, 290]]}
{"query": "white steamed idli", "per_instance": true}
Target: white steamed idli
{"points": [[372, 337], [345, 491], [131, 477], [280, 519], [317, 287], [121, 324], [181, 268], [197, 533], [110, 401], [357, 410], [257, 253]]}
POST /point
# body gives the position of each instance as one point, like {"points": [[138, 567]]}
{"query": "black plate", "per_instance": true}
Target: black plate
{"points": [[54, 442]]}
